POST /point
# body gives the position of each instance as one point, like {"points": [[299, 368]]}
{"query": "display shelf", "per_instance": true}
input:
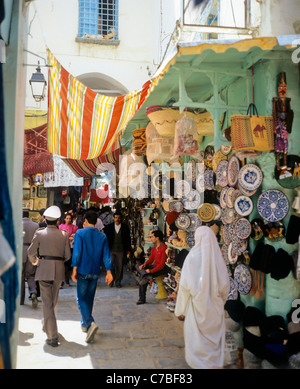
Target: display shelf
{"points": [[175, 268]]}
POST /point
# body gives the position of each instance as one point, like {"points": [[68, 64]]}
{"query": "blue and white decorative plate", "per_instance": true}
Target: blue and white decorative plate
{"points": [[227, 237], [232, 256], [239, 245], [243, 278], [250, 177], [229, 197], [224, 251], [209, 179], [243, 205], [176, 206], [223, 197], [243, 228], [272, 205], [218, 212], [233, 170], [233, 291], [221, 173]]}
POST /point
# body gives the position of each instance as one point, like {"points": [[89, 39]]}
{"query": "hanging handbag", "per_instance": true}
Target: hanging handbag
{"points": [[251, 131]]}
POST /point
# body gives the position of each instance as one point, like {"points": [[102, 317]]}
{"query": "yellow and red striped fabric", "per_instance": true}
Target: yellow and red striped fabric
{"points": [[83, 124]]}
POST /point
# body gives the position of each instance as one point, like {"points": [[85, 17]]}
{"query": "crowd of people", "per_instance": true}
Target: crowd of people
{"points": [[80, 246]]}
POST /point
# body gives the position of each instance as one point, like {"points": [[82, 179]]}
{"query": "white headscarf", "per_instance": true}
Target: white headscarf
{"points": [[203, 290]]}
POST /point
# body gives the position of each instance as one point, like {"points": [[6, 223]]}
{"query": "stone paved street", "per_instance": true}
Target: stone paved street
{"points": [[130, 336]]}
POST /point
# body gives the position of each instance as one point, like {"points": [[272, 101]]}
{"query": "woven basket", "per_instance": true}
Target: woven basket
{"points": [[164, 120]]}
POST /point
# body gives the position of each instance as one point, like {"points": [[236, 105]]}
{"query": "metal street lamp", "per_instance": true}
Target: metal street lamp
{"points": [[38, 84]]}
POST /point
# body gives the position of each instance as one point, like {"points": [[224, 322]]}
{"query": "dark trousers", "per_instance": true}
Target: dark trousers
{"points": [[143, 273], [117, 259]]}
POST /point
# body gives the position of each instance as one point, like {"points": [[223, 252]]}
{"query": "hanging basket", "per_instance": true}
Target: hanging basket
{"points": [[164, 119]]}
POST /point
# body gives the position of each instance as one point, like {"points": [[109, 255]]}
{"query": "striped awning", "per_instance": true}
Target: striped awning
{"points": [[92, 167], [83, 124]]}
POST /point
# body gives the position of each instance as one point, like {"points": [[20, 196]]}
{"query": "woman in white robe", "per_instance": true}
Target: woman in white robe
{"points": [[203, 290]]}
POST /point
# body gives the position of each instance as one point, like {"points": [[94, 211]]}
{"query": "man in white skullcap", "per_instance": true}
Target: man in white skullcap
{"points": [[51, 246]]}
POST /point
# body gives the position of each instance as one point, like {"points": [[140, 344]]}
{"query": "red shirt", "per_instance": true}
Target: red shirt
{"points": [[157, 258]]}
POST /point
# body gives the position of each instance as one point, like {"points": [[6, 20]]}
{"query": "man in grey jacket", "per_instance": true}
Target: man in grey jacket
{"points": [[49, 250]]}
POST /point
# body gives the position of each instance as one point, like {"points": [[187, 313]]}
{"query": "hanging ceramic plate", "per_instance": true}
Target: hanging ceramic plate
{"points": [[223, 197], [227, 237], [182, 188], [200, 182], [221, 174], [232, 257], [218, 212], [228, 215], [206, 212], [176, 206], [243, 205], [217, 158], [242, 228], [225, 149], [195, 222], [192, 200], [250, 177], [229, 197], [257, 229], [272, 205], [243, 278], [183, 221], [233, 291], [239, 245], [209, 179], [245, 192], [233, 170], [190, 239], [224, 251]]}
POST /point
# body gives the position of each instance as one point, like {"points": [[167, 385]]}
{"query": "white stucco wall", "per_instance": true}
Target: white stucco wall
{"points": [[143, 24]]}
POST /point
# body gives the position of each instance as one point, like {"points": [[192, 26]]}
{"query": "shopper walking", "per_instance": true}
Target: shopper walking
{"points": [[51, 247], [119, 241], [154, 266], [203, 290], [90, 251], [71, 229], [28, 270]]}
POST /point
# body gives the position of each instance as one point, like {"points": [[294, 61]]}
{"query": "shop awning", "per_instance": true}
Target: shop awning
{"points": [[83, 124], [195, 74], [95, 166]]}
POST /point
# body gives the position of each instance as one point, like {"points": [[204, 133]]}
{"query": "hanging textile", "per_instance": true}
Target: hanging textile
{"points": [[61, 176], [83, 124], [37, 159], [89, 167]]}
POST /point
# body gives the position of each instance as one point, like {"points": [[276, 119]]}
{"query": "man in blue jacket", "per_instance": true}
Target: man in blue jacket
{"points": [[89, 252]]}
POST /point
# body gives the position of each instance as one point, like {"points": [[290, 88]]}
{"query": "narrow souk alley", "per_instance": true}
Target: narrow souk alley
{"points": [[130, 336]]}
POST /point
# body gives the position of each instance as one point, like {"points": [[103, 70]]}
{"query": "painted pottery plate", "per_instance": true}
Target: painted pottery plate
{"points": [[233, 291], [217, 158], [209, 179], [166, 206], [183, 221], [200, 182], [245, 192], [218, 211], [229, 197], [221, 173], [192, 200], [232, 257], [223, 197], [243, 228], [225, 149], [227, 237], [250, 177], [176, 206], [243, 205], [274, 231], [233, 170], [195, 222], [224, 251], [228, 215], [272, 205], [206, 212], [239, 245], [243, 278], [190, 239]]}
